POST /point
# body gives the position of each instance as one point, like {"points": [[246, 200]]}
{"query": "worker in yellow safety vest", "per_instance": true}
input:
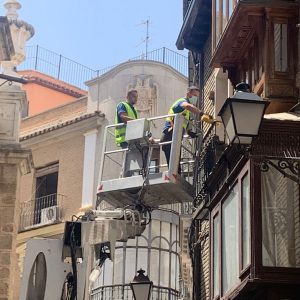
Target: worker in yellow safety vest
{"points": [[125, 112], [184, 106]]}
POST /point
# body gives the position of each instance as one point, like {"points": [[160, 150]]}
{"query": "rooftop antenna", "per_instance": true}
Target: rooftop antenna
{"points": [[147, 22], [147, 38]]}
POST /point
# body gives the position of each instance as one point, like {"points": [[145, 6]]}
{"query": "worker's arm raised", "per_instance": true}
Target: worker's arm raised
{"points": [[124, 117], [191, 108]]}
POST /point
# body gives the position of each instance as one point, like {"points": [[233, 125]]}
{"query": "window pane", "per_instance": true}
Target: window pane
{"points": [[246, 220], [130, 262], [231, 7], [142, 262], [174, 271], [106, 276], [216, 250], [154, 266], [280, 47], [164, 268], [118, 266], [280, 220], [230, 247]]}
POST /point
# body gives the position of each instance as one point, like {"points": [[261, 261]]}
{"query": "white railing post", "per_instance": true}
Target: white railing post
{"points": [[176, 144]]}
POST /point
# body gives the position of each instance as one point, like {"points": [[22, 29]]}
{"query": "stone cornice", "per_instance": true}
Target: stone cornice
{"points": [[61, 125], [18, 156]]}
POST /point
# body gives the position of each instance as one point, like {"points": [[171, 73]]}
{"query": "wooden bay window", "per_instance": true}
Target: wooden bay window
{"points": [[231, 236]]}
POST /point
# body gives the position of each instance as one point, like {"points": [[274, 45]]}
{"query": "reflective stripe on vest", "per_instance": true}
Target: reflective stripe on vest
{"points": [[120, 131], [185, 113]]}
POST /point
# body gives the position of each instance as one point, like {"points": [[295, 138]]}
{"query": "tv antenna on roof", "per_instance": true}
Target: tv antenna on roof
{"points": [[146, 40]]}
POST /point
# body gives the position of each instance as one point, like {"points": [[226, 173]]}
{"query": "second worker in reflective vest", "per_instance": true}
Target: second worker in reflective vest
{"points": [[184, 106], [125, 112]]}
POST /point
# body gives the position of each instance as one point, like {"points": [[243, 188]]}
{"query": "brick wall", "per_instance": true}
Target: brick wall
{"points": [[10, 162], [69, 153], [8, 184]]}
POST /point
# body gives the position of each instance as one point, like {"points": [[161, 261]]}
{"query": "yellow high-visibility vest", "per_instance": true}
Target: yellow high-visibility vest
{"points": [[185, 113], [120, 131]]}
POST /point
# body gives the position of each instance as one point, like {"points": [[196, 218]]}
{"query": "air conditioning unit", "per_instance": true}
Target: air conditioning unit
{"points": [[49, 215]]}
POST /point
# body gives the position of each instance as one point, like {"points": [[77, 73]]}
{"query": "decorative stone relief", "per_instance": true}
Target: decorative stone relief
{"points": [[147, 91]]}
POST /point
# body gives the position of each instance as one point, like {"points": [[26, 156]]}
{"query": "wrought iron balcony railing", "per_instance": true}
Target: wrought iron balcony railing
{"points": [[123, 292], [211, 150], [41, 211]]}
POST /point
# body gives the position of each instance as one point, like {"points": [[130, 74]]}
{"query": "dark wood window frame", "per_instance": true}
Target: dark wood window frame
{"points": [[289, 62], [217, 211]]}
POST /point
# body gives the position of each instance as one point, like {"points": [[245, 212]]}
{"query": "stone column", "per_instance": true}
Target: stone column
{"points": [[14, 161]]}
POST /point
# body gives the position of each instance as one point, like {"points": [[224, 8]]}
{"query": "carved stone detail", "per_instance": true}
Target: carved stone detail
{"points": [[147, 91], [20, 31]]}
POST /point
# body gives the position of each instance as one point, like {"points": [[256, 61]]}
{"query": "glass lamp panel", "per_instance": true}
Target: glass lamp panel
{"points": [[141, 290], [227, 119], [248, 116]]}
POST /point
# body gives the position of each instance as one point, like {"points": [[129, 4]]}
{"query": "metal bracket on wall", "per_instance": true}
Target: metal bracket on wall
{"points": [[287, 166]]}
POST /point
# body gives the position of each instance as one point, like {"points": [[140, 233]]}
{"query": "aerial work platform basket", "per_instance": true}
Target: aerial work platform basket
{"points": [[139, 173]]}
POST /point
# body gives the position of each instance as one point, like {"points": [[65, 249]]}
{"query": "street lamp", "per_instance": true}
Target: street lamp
{"points": [[242, 115], [141, 286]]}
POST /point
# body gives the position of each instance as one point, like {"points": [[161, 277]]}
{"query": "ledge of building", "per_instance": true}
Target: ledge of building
{"points": [[47, 231]]}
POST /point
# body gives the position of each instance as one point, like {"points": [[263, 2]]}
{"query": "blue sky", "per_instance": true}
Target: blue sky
{"points": [[99, 33]]}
